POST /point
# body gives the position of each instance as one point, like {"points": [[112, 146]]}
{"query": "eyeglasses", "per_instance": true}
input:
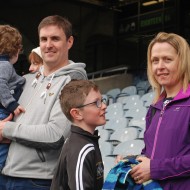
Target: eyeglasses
{"points": [[98, 103]]}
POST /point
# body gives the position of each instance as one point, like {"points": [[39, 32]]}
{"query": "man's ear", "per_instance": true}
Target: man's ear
{"points": [[70, 42], [76, 114]]}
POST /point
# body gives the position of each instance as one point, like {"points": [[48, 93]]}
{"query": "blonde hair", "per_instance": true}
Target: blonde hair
{"points": [[182, 48]]}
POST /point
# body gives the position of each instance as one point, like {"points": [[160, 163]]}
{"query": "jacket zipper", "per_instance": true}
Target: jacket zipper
{"points": [[157, 130]]}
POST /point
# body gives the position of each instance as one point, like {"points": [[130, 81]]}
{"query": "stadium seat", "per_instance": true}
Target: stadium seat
{"points": [[147, 98], [112, 94], [136, 113], [137, 123], [109, 162], [127, 91], [106, 148], [130, 98], [116, 124], [104, 134], [133, 104], [125, 134], [132, 147], [114, 110], [143, 87], [141, 134]]}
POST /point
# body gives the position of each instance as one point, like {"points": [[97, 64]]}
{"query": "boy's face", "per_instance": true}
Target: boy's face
{"points": [[92, 115]]}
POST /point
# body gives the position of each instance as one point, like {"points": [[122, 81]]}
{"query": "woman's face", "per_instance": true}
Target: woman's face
{"points": [[165, 61], [34, 67]]}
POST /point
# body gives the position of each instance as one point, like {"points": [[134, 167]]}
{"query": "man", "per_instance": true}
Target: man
{"points": [[38, 135]]}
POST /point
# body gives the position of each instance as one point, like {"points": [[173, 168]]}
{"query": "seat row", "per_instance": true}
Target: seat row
{"points": [[123, 132], [133, 111], [130, 100], [127, 148], [140, 89], [120, 136]]}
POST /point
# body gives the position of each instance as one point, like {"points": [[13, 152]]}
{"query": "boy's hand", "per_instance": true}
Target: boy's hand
{"points": [[2, 125], [19, 110]]}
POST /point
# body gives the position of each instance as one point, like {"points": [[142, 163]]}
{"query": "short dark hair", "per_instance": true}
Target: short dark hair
{"points": [[74, 94], [59, 21]]}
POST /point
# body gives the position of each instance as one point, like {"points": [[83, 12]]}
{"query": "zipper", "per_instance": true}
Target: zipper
{"points": [[157, 130], [158, 127]]}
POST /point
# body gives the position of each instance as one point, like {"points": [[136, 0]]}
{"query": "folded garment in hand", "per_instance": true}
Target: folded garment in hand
{"points": [[119, 178]]}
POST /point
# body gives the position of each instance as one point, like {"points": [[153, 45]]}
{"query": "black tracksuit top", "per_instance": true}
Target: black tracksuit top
{"points": [[80, 165]]}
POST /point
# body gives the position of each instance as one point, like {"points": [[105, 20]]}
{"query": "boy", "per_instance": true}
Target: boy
{"points": [[80, 164], [10, 82]]}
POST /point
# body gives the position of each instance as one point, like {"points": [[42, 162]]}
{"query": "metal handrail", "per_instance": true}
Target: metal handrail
{"points": [[108, 72]]}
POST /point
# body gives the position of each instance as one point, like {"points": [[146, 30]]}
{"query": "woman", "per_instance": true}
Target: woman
{"points": [[35, 59], [167, 135]]}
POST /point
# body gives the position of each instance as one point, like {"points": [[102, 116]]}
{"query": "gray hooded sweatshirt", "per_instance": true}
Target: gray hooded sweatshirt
{"points": [[38, 134]]}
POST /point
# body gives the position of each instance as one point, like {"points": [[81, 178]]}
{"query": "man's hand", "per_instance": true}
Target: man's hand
{"points": [[19, 110], [2, 125]]}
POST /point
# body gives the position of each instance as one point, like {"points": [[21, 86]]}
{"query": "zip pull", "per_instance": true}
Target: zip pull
{"points": [[161, 113], [44, 94], [164, 106], [35, 81]]}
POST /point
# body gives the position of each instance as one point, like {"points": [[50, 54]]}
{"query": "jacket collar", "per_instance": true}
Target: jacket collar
{"points": [[76, 129], [181, 95], [4, 58]]}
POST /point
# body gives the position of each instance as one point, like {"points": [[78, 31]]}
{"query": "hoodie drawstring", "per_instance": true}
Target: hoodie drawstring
{"points": [[35, 81], [44, 94]]}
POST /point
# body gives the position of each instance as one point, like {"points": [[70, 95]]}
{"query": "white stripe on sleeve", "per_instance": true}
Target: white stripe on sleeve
{"points": [[82, 154]]}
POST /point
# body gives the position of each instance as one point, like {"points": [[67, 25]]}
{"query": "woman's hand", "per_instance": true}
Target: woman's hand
{"points": [[141, 172], [118, 159]]}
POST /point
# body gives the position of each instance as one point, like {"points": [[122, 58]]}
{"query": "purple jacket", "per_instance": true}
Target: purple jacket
{"points": [[167, 142]]}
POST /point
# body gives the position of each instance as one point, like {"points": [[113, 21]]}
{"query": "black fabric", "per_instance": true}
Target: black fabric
{"points": [[70, 162]]}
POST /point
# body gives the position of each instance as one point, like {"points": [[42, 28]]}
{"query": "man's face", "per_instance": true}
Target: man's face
{"points": [[54, 46]]}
